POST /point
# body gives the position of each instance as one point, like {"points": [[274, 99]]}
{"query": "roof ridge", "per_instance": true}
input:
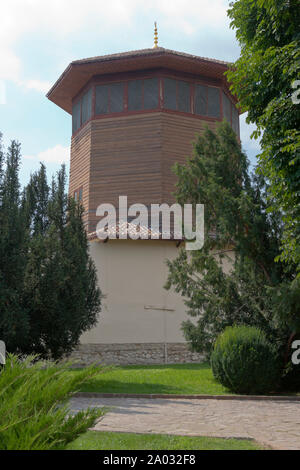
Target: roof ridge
{"points": [[144, 52]]}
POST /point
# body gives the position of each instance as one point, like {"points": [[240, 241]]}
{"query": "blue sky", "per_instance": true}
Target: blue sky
{"points": [[38, 40]]}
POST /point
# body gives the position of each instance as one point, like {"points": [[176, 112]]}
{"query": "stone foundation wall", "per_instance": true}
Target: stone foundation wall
{"points": [[137, 353]]}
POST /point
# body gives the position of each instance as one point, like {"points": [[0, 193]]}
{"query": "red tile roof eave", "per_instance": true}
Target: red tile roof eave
{"points": [[93, 237]]}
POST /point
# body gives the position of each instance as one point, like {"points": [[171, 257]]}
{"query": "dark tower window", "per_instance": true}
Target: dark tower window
{"points": [[135, 95], [82, 111], [143, 94], [102, 99], [170, 98], [207, 101], [116, 100], [109, 98], [76, 118], [86, 106], [231, 114], [213, 102], [226, 108], [235, 120], [151, 93], [200, 100], [183, 96], [176, 95]]}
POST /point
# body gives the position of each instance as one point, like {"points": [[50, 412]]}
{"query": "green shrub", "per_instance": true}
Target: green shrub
{"points": [[244, 361], [33, 410]]}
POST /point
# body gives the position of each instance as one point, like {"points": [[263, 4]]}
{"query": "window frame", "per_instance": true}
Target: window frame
{"points": [[177, 80], [76, 194], [206, 116], [160, 75]]}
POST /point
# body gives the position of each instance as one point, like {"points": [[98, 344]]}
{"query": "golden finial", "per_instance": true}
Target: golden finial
{"points": [[155, 36]]}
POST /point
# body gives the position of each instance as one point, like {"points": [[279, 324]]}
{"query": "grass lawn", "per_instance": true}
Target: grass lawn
{"points": [[169, 379], [97, 440]]}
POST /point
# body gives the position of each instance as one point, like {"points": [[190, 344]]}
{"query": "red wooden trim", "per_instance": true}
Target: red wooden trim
{"points": [[127, 113], [148, 111], [157, 110], [162, 93], [192, 98], [190, 115]]}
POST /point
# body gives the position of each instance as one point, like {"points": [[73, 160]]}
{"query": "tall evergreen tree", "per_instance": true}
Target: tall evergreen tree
{"points": [[60, 280], [49, 293], [236, 219], [35, 202], [14, 321]]}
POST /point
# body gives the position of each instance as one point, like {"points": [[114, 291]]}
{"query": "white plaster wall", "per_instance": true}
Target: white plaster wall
{"points": [[131, 276]]}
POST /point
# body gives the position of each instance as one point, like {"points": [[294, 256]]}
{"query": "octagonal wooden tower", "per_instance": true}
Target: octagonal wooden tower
{"points": [[134, 115]]}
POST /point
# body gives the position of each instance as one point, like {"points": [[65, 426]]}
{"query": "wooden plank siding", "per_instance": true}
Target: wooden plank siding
{"points": [[178, 135], [130, 156], [125, 161], [80, 165]]}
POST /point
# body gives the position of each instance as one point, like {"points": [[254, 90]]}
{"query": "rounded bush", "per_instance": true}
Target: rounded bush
{"points": [[244, 361]]}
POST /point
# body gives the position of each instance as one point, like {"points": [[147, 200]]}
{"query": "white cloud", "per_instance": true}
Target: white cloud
{"points": [[246, 130], [56, 154], [64, 17], [38, 85], [191, 16], [60, 18], [10, 64]]}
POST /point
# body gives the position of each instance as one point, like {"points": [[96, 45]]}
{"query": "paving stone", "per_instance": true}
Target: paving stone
{"points": [[272, 423]]}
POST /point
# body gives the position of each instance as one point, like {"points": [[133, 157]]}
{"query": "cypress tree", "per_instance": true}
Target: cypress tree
{"points": [[14, 320], [60, 280], [49, 293]]}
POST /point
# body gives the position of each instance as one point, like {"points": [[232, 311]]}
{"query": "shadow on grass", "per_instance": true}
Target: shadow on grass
{"points": [[115, 386], [195, 367], [158, 379]]}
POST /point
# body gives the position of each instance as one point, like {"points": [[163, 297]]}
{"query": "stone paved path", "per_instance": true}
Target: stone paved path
{"points": [[272, 423]]}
